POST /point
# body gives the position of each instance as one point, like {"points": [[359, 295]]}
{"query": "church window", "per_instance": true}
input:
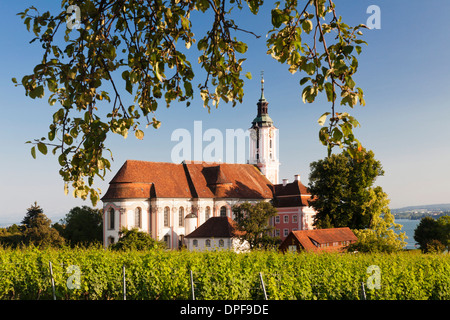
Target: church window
{"points": [[208, 243], [271, 143], [111, 219], [223, 211], [221, 243], [195, 243], [166, 216], [138, 217], [207, 213], [181, 217]]}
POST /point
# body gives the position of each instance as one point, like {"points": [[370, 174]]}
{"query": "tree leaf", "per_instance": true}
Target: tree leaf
{"points": [[42, 148], [329, 91], [307, 26], [323, 118], [139, 134]]}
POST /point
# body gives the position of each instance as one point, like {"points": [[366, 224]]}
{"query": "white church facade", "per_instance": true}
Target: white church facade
{"points": [[170, 201]]}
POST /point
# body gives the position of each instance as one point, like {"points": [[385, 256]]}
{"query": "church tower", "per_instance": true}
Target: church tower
{"points": [[264, 141]]}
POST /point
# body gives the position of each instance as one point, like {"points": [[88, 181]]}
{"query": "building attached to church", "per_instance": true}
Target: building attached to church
{"points": [[217, 233], [170, 200], [294, 212]]}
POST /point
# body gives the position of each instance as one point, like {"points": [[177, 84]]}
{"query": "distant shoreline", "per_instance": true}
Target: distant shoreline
{"points": [[420, 215]]}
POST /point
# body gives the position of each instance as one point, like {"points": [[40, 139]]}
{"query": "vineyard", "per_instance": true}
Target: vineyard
{"points": [[97, 274]]}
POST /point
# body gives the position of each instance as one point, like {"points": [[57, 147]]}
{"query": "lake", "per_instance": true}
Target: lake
{"points": [[408, 227]]}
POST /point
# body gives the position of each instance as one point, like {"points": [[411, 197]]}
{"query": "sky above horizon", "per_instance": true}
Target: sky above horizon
{"points": [[403, 72]]}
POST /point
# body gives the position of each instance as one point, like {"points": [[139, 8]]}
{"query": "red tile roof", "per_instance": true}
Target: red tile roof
{"points": [[293, 194], [165, 180], [144, 179], [311, 240], [216, 227], [228, 180]]}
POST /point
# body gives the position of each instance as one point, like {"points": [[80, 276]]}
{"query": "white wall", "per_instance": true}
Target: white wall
{"points": [[153, 216], [229, 243], [124, 217]]}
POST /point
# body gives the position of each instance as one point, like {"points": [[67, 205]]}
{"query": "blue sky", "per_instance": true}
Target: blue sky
{"points": [[403, 72]]}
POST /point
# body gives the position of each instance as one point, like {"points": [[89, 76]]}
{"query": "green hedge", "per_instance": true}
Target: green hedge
{"points": [[24, 274]]}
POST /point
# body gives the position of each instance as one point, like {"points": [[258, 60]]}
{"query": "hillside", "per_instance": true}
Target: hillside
{"points": [[424, 208], [418, 212]]}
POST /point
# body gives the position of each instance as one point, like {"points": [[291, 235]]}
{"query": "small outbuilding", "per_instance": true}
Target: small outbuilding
{"points": [[317, 240], [217, 233]]}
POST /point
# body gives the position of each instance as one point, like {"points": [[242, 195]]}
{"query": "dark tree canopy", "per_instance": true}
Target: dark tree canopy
{"points": [[38, 230], [254, 221], [342, 190], [140, 48], [344, 196], [83, 225], [32, 212], [433, 234]]}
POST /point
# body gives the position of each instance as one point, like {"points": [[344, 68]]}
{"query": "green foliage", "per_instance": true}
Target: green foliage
{"points": [[253, 220], [31, 214], [372, 240], [147, 52], [136, 240], [164, 275], [433, 235], [83, 225], [328, 67], [40, 233], [343, 193], [344, 196], [11, 236], [36, 230]]}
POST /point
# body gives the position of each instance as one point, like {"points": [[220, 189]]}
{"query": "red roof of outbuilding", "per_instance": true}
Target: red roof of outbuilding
{"points": [[320, 236]]}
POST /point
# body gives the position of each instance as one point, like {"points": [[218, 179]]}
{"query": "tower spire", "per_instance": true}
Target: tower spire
{"points": [[262, 86], [264, 140]]}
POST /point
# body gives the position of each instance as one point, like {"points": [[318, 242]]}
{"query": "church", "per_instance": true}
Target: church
{"points": [[171, 200]]}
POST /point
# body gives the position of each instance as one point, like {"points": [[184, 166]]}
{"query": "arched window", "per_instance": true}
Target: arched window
{"points": [[166, 216], [138, 217], [221, 243], [111, 219], [208, 243], [207, 213], [181, 217], [223, 211]]}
